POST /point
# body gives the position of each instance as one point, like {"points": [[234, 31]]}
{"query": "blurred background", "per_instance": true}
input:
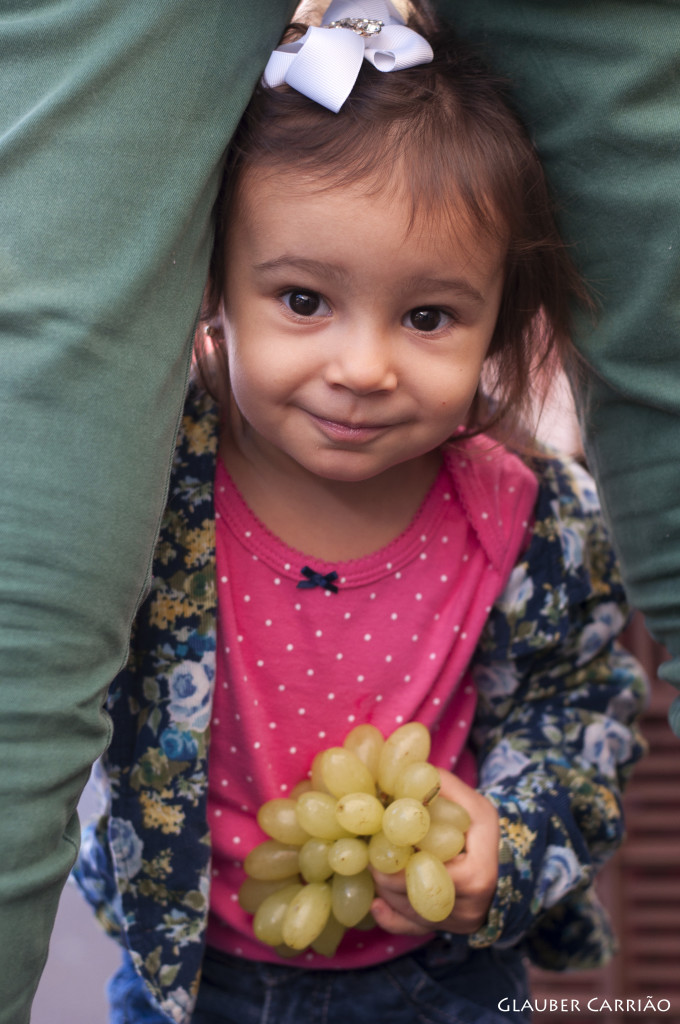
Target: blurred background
{"points": [[82, 958]]}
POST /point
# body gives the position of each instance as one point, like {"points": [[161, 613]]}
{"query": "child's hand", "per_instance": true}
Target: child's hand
{"points": [[474, 873]]}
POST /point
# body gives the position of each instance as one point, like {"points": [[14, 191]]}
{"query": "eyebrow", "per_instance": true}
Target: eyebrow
{"points": [[330, 270], [437, 284], [286, 262]]}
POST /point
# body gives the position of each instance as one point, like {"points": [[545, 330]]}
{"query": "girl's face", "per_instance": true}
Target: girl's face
{"points": [[355, 341]]}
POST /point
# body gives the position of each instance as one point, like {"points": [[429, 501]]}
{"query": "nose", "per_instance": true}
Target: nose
{"points": [[363, 362]]}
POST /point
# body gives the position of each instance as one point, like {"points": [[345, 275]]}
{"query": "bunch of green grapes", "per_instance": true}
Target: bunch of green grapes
{"points": [[373, 801]]}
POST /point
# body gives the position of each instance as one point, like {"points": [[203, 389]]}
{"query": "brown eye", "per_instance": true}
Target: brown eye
{"points": [[428, 318], [303, 303]]}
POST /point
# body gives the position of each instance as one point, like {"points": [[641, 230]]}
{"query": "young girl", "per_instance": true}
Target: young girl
{"points": [[347, 540]]}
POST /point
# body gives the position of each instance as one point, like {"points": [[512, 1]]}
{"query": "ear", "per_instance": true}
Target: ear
{"points": [[220, 323], [210, 357], [214, 331]]}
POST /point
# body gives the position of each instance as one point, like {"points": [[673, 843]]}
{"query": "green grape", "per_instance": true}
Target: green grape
{"points": [[313, 860], [385, 856], [450, 812], [307, 915], [419, 780], [268, 920], [271, 860], [342, 772], [303, 786], [316, 814], [360, 813], [333, 826], [330, 938], [366, 924], [429, 886], [279, 820], [352, 897], [348, 856], [316, 778], [366, 742], [285, 951], [254, 890], [410, 742], [405, 821], [442, 840]]}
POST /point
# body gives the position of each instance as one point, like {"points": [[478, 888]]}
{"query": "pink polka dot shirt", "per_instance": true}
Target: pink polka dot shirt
{"points": [[298, 668]]}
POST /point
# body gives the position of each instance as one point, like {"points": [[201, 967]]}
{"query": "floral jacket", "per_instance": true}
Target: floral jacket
{"points": [[554, 734]]}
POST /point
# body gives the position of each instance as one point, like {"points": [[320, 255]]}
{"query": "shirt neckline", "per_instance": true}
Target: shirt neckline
{"points": [[255, 537]]}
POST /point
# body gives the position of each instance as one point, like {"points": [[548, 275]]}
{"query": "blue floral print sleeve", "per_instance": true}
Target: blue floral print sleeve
{"points": [[144, 864], [555, 729]]}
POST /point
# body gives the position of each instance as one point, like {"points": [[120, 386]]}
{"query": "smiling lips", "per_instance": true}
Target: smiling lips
{"points": [[343, 431]]}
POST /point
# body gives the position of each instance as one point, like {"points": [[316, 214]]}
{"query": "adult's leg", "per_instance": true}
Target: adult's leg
{"points": [[113, 118], [598, 83]]}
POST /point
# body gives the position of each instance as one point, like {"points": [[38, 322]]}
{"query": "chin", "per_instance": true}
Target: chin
{"points": [[347, 473]]}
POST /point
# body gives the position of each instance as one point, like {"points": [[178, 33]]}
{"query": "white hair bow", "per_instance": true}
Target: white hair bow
{"points": [[324, 64]]}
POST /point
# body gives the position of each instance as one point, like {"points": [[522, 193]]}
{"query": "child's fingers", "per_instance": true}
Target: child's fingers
{"points": [[391, 908], [475, 871], [393, 921]]}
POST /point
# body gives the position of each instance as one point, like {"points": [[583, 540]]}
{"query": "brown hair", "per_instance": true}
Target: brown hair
{"points": [[448, 131]]}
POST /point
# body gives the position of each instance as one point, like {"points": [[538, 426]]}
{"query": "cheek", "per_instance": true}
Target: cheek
{"points": [[454, 398], [450, 388], [260, 380], [244, 377]]}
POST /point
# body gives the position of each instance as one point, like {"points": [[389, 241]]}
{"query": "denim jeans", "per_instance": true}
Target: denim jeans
{"points": [[445, 982]]}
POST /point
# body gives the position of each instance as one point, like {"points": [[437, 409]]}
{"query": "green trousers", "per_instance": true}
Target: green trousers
{"points": [[598, 84], [113, 118]]}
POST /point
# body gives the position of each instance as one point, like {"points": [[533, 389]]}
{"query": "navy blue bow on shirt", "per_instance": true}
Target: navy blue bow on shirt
{"points": [[316, 579]]}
